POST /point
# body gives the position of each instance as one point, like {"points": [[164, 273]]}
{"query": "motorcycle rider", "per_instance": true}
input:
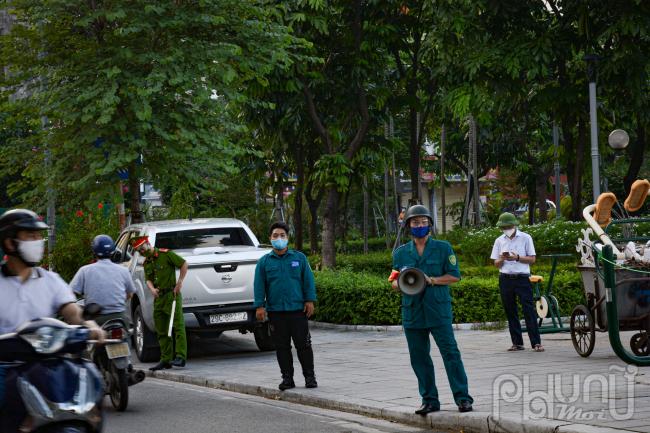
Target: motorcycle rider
{"points": [[104, 283], [30, 292]]}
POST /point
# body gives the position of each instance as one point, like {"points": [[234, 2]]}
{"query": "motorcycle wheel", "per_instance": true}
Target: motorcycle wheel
{"points": [[119, 388]]}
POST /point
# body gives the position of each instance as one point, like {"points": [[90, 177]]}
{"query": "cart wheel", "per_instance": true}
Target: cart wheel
{"points": [[639, 344], [583, 331]]}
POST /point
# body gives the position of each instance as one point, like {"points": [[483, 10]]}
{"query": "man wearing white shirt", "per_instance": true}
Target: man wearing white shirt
{"points": [[513, 253]]}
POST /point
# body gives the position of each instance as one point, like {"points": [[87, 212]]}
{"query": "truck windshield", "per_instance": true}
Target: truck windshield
{"points": [[203, 238]]}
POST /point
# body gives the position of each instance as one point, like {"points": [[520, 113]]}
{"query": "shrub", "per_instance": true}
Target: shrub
{"points": [[549, 238], [72, 249], [356, 298], [356, 246], [360, 298]]}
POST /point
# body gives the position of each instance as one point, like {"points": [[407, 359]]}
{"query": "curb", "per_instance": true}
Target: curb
{"points": [[479, 326], [449, 421], [398, 328]]}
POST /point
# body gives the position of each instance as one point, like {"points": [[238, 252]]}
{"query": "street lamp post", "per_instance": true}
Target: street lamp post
{"points": [[592, 73], [556, 166]]}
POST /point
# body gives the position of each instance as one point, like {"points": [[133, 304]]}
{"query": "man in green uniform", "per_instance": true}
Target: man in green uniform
{"points": [[429, 312], [160, 273]]}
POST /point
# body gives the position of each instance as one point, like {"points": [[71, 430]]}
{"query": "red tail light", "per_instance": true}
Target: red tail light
{"points": [[117, 334]]}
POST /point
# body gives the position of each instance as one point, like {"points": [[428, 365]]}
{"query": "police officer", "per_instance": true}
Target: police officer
{"points": [[513, 253], [429, 312], [160, 273], [284, 286], [104, 283]]}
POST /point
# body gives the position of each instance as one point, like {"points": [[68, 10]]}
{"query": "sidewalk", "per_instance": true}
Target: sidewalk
{"points": [[368, 372]]}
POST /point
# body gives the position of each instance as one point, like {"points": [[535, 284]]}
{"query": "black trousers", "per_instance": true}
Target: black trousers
{"points": [[511, 289], [287, 326]]}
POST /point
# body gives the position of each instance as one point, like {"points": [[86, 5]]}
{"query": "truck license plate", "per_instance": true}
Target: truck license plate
{"points": [[228, 317], [120, 350]]}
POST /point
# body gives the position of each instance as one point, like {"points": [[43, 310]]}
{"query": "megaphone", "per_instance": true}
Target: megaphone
{"points": [[411, 281]]}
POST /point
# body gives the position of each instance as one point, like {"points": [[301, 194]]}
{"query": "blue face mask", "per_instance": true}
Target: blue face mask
{"points": [[420, 232], [280, 244]]}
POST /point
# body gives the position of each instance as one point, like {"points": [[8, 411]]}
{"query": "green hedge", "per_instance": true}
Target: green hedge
{"points": [[356, 299], [549, 238], [361, 298], [380, 264]]}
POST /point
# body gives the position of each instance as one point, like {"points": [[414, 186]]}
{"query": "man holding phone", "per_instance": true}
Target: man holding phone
{"points": [[513, 253]]}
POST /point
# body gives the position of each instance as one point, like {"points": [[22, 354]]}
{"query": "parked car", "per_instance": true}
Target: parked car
{"points": [[218, 289]]}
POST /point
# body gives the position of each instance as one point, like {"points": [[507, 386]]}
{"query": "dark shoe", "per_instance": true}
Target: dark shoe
{"points": [[310, 382], [427, 408], [178, 362], [516, 347], [162, 365], [287, 383], [465, 406]]}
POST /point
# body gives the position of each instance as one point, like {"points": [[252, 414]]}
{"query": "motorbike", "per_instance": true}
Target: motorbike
{"points": [[112, 359], [49, 385]]}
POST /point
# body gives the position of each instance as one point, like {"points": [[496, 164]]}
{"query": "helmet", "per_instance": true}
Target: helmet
{"points": [[417, 211], [507, 219], [15, 220], [103, 246]]}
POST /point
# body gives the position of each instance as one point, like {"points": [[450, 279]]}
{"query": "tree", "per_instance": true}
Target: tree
{"points": [[148, 87], [338, 98]]}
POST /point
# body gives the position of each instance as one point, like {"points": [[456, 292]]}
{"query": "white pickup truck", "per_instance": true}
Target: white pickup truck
{"points": [[218, 289]]}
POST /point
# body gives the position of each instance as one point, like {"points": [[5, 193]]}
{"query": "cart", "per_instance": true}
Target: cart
{"points": [[617, 289], [633, 308]]}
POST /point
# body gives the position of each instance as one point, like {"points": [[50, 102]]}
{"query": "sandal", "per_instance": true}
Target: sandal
{"points": [[515, 348], [538, 348]]}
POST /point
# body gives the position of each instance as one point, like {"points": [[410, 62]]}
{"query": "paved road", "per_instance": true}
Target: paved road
{"points": [[158, 406], [372, 370]]}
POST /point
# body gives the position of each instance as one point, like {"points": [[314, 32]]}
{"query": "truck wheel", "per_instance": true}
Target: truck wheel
{"points": [[263, 337], [144, 341]]}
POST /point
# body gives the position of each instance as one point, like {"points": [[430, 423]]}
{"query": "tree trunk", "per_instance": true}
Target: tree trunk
{"points": [[386, 207], [330, 218], [365, 214], [298, 194], [443, 137], [134, 190], [635, 152], [414, 157], [313, 204], [541, 179], [532, 193], [279, 197], [576, 201], [313, 227], [574, 148]]}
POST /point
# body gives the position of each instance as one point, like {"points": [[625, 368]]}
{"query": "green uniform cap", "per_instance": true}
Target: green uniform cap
{"points": [[507, 219]]}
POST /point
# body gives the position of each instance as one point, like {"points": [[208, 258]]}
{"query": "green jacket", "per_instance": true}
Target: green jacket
{"points": [[432, 307], [160, 268], [284, 283]]}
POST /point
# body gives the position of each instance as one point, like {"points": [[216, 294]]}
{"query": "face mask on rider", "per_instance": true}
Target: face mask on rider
{"points": [[509, 232], [31, 252]]}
